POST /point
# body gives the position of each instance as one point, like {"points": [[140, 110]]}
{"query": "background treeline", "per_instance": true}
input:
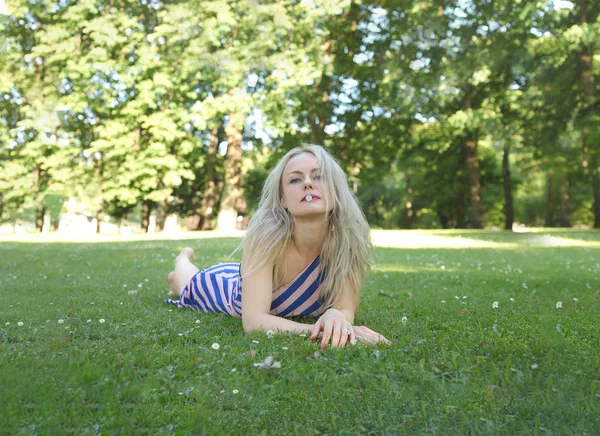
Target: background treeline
{"points": [[444, 114]]}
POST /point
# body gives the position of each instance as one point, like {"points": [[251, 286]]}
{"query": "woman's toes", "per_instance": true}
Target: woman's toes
{"points": [[187, 252]]}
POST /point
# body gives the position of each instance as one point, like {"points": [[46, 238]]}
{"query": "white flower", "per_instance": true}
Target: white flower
{"points": [[284, 348], [89, 320], [575, 299], [534, 365], [443, 301], [495, 305], [60, 321], [222, 391], [464, 296], [255, 342], [235, 392], [233, 369], [197, 321], [132, 292], [559, 305], [512, 299], [456, 296], [102, 321], [20, 323], [215, 346], [270, 333], [404, 320], [7, 323]]}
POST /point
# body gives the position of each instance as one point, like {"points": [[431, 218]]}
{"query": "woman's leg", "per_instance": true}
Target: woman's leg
{"points": [[184, 271]]}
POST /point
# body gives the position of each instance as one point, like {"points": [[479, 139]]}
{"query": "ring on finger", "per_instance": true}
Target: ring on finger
{"points": [[346, 331]]}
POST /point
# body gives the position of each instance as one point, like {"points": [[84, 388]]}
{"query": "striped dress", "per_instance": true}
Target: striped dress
{"points": [[219, 289]]}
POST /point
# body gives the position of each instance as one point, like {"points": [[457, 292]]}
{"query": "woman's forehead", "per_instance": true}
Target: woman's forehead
{"points": [[304, 162]]}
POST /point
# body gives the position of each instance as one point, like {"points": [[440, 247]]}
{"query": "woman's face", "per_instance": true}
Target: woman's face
{"points": [[303, 190]]}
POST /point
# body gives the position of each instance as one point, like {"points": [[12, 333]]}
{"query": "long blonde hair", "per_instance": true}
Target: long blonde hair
{"points": [[347, 246]]}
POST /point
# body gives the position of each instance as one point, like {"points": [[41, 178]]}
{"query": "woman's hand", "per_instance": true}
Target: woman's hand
{"points": [[334, 326], [366, 335]]}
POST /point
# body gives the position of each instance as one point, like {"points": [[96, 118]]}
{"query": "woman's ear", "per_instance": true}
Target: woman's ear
{"points": [[283, 203]]}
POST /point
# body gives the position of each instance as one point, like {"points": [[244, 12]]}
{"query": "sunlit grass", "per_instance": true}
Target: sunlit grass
{"points": [[457, 365]]}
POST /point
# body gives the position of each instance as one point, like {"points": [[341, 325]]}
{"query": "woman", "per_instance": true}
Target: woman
{"points": [[305, 253]]}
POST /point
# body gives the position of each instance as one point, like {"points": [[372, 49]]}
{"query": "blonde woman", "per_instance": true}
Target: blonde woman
{"points": [[305, 253]]}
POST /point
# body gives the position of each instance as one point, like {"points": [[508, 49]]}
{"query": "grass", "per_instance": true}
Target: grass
{"points": [[457, 366]]}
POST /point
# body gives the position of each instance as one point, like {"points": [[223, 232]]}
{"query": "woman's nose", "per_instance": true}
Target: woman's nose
{"points": [[308, 183]]}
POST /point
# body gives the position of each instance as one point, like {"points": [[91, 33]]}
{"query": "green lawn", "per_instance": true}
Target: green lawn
{"points": [[91, 357]]}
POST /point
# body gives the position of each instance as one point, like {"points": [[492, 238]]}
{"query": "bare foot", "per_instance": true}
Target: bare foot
{"points": [[172, 284], [184, 271]]}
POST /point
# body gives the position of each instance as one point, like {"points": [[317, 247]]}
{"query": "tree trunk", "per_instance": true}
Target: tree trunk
{"points": [[444, 221], [409, 208], [161, 215], [100, 207], [40, 209], [460, 199], [549, 221], [596, 189], [587, 82], [474, 186], [470, 148], [564, 216], [162, 209], [146, 209], [232, 202], [39, 218], [460, 206], [508, 200], [209, 199]]}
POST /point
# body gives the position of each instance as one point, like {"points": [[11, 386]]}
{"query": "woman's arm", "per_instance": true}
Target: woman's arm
{"points": [[347, 304], [256, 304]]}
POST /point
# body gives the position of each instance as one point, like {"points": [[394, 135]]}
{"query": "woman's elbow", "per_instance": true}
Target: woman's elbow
{"points": [[250, 325]]}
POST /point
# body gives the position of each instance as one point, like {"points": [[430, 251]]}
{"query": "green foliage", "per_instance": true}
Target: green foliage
{"points": [[253, 183], [115, 103]]}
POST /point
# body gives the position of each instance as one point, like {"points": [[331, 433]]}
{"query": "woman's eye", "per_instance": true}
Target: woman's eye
{"points": [[318, 177], [294, 180]]}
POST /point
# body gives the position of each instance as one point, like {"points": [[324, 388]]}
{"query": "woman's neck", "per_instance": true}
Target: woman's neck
{"points": [[308, 236]]}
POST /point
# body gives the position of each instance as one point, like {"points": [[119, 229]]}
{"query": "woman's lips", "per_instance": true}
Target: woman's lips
{"points": [[311, 197]]}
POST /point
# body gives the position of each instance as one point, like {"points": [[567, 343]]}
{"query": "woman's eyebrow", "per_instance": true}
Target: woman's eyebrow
{"points": [[300, 172]]}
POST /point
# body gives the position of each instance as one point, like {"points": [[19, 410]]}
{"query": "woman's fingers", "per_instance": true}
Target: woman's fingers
{"points": [[346, 335], [316, 329], [327, 332], [369, 336], [339, 335]]}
